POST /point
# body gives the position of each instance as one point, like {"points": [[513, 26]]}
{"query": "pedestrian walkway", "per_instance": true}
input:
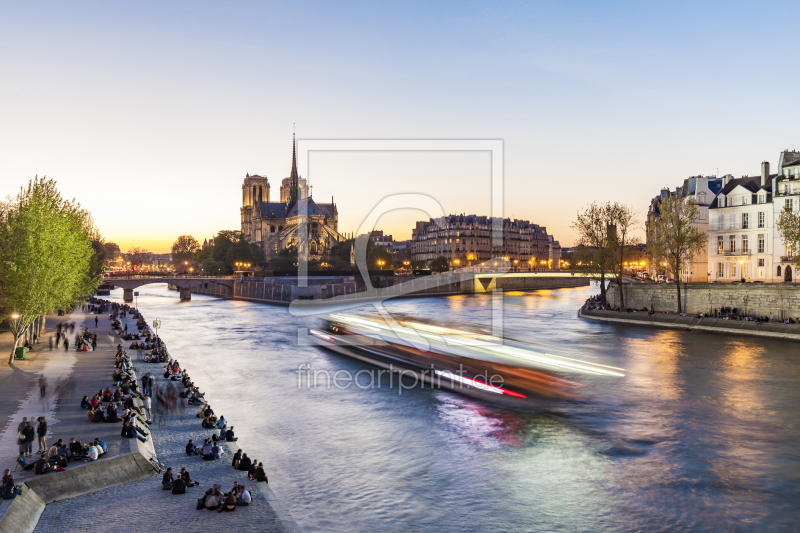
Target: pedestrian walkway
{"points": [[70, 375], [162, 510]]}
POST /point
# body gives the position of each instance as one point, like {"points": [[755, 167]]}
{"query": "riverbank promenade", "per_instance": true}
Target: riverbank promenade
{"points": [[117, 503]]}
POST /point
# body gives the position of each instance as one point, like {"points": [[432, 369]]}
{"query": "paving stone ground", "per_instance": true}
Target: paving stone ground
{"points": [[143, 506]]}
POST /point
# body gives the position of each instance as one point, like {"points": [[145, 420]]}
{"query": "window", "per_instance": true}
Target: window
{"points": [[732, 221], [762, 198], [761, 219], [745, 270], [761, 243], [746, 200], [745, 220], [732, 244], [720, 244], [789, 204], [720, 221], [733, 270], [779, 271], [721, 270], [745, 244], [761, 262], [721, 201]]}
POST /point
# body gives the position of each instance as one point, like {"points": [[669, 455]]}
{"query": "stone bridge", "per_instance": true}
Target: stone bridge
{"points": [[184, 283]]}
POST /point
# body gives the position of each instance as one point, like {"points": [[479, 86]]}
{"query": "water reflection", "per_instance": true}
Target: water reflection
{"points": [[700, 435]]}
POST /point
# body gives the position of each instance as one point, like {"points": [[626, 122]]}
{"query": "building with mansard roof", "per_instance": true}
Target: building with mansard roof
{"points": [[276, 226], [466, 241]]}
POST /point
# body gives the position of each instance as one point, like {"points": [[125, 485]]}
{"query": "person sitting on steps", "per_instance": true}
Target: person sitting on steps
{"points": [[229, 435]]}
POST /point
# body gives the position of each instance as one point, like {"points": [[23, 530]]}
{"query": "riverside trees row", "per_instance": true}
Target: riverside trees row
{"points": [[51, 255], [606, 241]]}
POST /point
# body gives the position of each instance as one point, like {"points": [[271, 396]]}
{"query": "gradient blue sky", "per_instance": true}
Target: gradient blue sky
{"points": [[151, 113]]}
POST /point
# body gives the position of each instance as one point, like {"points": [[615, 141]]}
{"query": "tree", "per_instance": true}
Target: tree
{"points": [[788, 225], [622, 220], [184, 248], [138, 256], [210, 266], [675, 239], [45, 255], [379, 258], [440, 264], [594, 226]]}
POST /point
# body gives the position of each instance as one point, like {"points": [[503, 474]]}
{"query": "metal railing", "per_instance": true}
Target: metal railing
{"points": [[787, 258], [741, 252]]}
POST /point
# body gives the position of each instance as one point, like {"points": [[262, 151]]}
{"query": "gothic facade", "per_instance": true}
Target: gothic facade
{"points": [[297, 220]]}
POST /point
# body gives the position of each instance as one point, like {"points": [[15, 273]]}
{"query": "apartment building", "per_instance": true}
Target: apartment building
{"points": [[740, 235], [786, 187], [466, 241], [703, 190]]}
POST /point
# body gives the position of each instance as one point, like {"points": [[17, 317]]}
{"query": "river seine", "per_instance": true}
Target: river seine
{"points": [[702, 433]]}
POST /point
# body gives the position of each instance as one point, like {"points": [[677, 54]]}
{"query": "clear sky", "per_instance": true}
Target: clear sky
{"points": [[151, 113]]}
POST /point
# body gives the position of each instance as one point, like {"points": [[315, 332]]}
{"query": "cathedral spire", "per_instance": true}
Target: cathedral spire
{"points": [[294, 179]]}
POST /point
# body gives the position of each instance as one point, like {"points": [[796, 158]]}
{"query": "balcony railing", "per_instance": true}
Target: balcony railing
{"points": [[787, 258], [747, 252]]}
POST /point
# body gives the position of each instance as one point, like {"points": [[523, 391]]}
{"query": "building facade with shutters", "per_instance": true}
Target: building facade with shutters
{"points": [[741, 225], [466, 241], [786, 189]]}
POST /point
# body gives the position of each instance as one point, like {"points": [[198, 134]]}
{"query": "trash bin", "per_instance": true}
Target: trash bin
{"points": [[20, 352]]}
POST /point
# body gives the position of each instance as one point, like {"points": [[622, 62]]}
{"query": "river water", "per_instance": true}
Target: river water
{"points": [[701, 434]]}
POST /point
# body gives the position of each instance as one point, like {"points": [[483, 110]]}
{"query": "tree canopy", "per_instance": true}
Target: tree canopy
{"points": [[788, 225], [184, 248], [46, 254]]}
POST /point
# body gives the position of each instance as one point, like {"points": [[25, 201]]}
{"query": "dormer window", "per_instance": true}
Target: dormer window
{"points": [[762, 198], [721, 201]]}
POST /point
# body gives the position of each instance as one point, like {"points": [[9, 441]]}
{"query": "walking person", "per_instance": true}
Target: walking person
{"points": [[42, 386], [41, 432], [95, 321], [147, 403], [27, 436]]}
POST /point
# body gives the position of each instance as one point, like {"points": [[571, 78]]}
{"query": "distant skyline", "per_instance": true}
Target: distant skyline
{"points": [[151, 114]]}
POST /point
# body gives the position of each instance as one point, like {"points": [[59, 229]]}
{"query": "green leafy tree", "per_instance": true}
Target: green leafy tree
{"points": [[341, 250], [184, 249], [210, 266], [675, 239], [439, 264], [45, 255], [788, 225], [379, 255]]}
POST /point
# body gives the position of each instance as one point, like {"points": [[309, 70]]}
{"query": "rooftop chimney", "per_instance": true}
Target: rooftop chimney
{"points": [[764, 173]]}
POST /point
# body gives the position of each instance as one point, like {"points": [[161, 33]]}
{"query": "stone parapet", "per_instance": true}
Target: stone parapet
{"points": [[778, 301]]}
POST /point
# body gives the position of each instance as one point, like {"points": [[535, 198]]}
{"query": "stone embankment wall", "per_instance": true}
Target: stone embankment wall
{"points": [[775, 300], [774, 330], [282, 290]]}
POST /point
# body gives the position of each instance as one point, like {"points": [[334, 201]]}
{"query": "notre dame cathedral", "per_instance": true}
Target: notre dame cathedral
{"points": [[279, 225]]}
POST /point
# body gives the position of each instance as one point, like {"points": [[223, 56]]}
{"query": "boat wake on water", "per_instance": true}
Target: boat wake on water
{"points": [[471, 363]]}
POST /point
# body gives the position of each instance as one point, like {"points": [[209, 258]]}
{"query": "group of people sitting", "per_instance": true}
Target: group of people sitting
{"points": [[255, 470], [177, 485], [59, 454], [215, 500]]}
